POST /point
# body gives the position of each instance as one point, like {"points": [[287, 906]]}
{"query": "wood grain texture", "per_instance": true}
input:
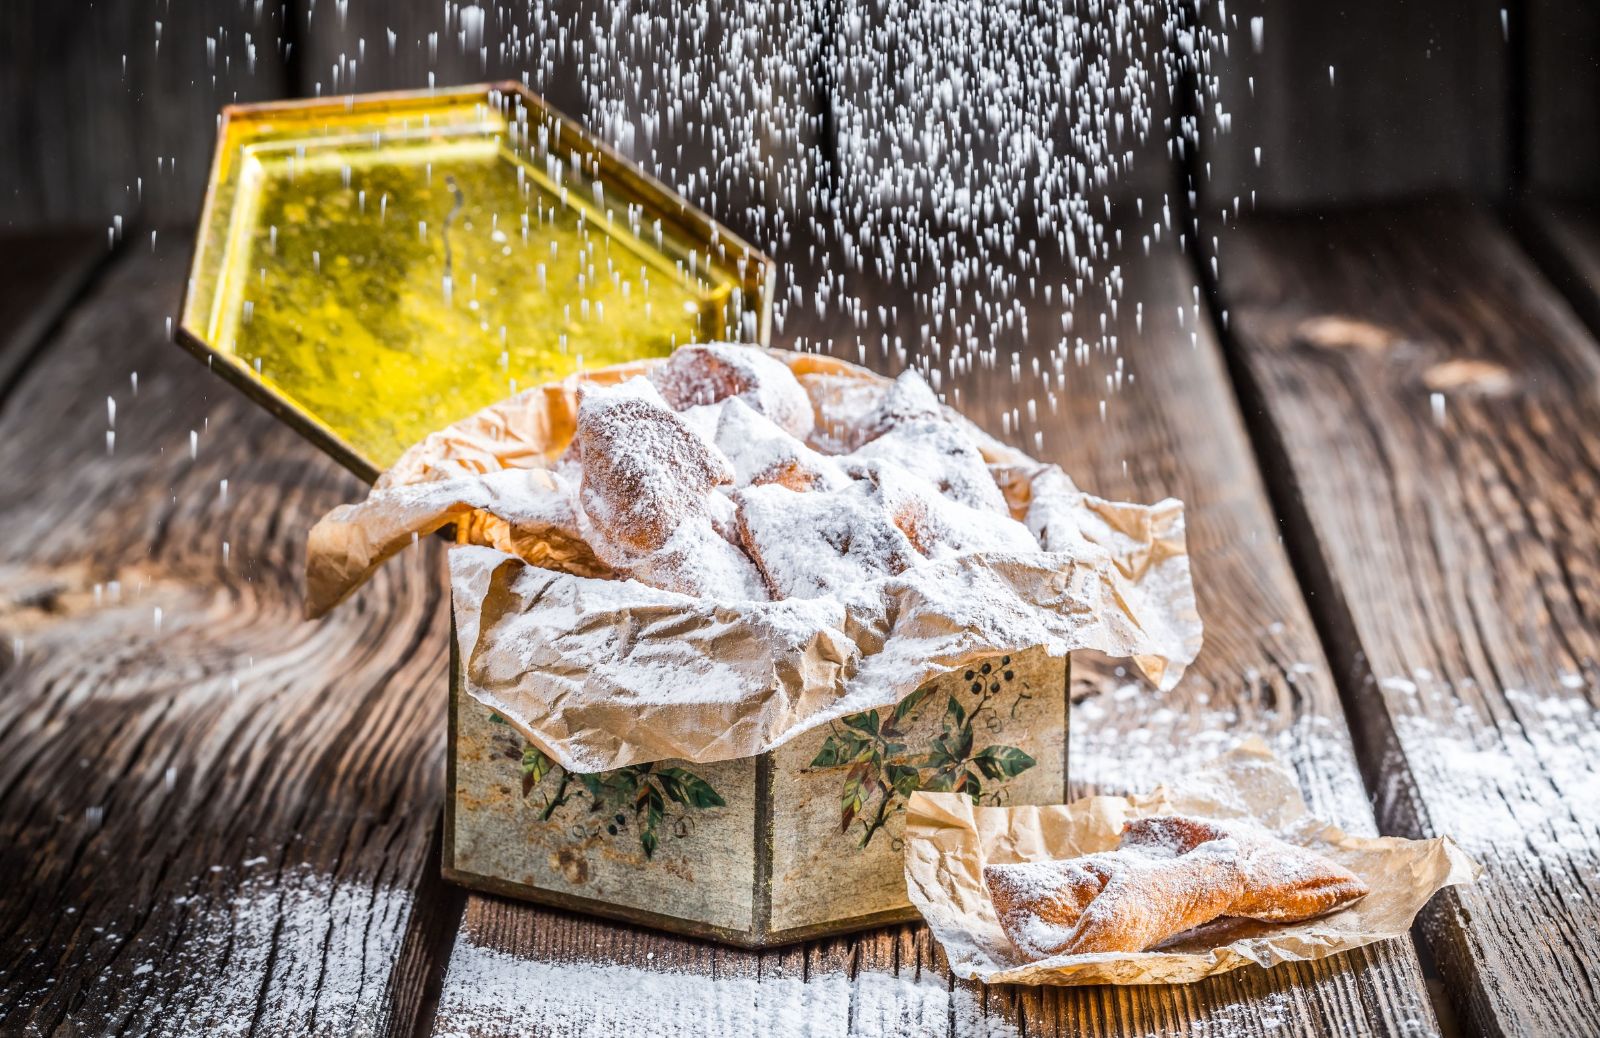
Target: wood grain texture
{"points": [[42, 273], [1564, 239], [215, 818], [1419, 100], [103, 120], [1436, 406], [1173, 429], [1561, 85]]}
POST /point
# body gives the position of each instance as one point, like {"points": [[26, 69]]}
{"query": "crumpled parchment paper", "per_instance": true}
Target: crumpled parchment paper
{"points": [[601, 672], [948, 842]]}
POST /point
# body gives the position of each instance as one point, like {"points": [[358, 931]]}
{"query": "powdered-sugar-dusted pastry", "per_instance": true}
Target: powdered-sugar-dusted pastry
{"points": [[709, 372], [533, 514], [808, 545], [1284, 882], [1125, 900], [909, 428], [909, 400], [762, 452], [840, 404], [1039, 902], [1147, 899], [697, 560], [1167, 875], [941, 453], [704, 419], [644, 471], [937, 525]]}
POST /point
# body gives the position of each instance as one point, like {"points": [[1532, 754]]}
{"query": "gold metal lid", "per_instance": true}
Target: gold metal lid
{"points": [[372, 268]]}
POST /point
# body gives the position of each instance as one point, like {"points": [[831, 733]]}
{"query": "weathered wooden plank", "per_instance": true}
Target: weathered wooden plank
{"points": [[214, 816], [40, 275], [1417, 99], [111, 109], [1173, 429], [1564, 238], [1562, 80], [1434, 409]]}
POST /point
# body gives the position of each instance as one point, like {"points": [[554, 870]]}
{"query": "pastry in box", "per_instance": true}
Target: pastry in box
{"points": [[718, 617]]}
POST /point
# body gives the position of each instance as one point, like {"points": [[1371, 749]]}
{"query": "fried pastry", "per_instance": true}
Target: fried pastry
{"points": [[1168, 875], [909, 400], [706, 373], [1169, 835], [1285, 883], [942, 454], [644, 471], [698, 479], [937, 525], [1039, 902], [533, 514], [1149, 898], [841, 404], [703, 419], [697, 560], [761, 452], [809, 545]]}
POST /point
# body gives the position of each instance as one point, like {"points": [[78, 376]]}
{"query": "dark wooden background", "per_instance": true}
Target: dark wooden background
{"points": [[1461, 550], [1465, 96]]}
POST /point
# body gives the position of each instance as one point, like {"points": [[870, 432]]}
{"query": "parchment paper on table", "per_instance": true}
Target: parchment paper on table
{"points": [[746, 544], [949, 841]]}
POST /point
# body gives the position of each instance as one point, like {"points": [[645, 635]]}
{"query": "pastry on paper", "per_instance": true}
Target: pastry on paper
{"points": [[1168, 875]]}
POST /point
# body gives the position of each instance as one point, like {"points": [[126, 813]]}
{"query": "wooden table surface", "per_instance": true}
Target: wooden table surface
{"points": [[217, 818]]}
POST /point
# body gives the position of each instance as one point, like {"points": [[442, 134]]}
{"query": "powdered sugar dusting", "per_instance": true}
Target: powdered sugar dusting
{"points": [[644, 471], [709, 372], [821, 543], [317, 951], [487, 991], [762, 452]]}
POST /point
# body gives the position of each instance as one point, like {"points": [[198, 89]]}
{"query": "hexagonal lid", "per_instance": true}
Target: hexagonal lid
{"points": [[372, 268]]}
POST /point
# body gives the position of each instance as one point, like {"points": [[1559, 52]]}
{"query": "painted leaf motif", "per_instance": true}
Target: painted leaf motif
{"points": [[902, 778], [960, 745], [692, 790], [904, 708], [666, 780], [853, 795], [867, 722], [1002, 762], [955, 715], [535, 765], [969, 784], [649, 804], [830, 755]]}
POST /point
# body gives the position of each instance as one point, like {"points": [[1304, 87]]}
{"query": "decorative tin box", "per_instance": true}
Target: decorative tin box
{"points": [[800, 842], [374, 268]]}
